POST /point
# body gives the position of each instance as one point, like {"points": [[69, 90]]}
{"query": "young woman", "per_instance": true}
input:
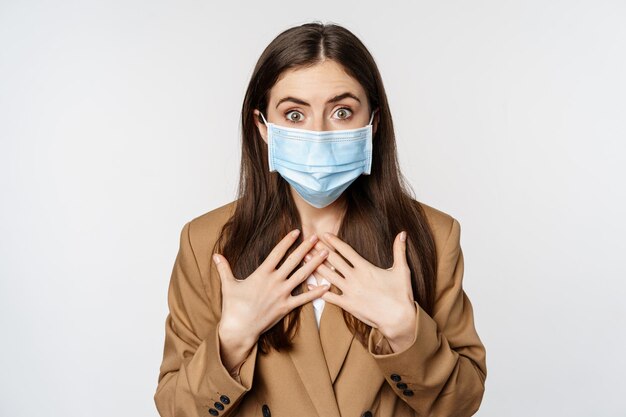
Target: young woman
{"points": [[252, 330]]}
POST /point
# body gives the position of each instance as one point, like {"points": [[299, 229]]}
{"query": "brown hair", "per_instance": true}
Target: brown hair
{"points": [[379, 205]]}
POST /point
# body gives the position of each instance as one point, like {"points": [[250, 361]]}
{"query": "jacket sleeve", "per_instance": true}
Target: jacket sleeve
{"points": [[443, 372], [192, 378]]}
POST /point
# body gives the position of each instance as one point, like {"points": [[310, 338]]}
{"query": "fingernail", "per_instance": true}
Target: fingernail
{"points": [[307, 257], [310, 286], [325, 286], [313, 238], [403, 236], [323, 252], [216, 259], [295, 233]]}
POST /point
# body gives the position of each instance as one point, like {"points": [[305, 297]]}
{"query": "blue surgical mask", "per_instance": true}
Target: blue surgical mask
{"points": [[319, 165]]}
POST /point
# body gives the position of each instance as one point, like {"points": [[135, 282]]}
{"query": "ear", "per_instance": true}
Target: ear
{"points": [[258, 121], [375, 121]]}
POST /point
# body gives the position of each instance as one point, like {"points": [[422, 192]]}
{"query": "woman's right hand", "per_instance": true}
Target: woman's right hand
{"points": [[253, 305]]}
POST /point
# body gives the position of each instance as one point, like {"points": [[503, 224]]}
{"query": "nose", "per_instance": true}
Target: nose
{"points": [[319, 124]]}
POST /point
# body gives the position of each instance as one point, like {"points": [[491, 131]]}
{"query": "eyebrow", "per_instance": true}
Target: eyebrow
{"points": [[332, 100]]}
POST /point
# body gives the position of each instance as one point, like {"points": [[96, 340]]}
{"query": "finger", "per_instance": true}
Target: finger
{"points": [[344, 249], [278, 252], [305, 297], [333, 277], [306, 270], [335, 299], [313, 252], [321, 245], [399, 251], [295, 257], [339, 264], [223, 269], [335, 262]]}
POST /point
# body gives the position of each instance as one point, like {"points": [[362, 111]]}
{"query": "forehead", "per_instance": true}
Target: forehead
{"points": [[316, 84]]}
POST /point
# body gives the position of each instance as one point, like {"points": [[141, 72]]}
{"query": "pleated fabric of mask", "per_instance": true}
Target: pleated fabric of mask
{"points": [[320, 165]]}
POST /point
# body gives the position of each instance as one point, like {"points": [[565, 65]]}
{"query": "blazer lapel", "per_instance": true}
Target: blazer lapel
{"points": [[361, 377], [335, 337], [308, 358]]}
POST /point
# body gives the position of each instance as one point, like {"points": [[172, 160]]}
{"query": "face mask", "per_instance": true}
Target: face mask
{"points": [[319, 165]]}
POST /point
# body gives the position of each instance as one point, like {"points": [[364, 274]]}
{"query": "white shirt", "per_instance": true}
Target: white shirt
{"points": [[318, 303]]}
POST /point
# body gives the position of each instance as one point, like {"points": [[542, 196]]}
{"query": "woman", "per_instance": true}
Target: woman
{"points": [[251, 330]]}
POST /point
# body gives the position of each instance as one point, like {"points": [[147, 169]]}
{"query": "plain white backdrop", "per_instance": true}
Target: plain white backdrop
{"points": [[119, 122]]}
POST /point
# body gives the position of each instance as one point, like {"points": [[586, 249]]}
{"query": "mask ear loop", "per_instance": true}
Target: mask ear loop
{"points": [[373, 113], [264, 121]]}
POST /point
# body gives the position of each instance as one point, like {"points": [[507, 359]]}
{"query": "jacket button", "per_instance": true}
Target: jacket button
{"points": [[368, 413], [213, 411], [266, 411], [219, 406], [395, 377], [401, 385], [407, 392], [224, 399]]}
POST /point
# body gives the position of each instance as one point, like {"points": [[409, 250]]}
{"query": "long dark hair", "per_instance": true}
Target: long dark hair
{"points": [[379, 205]]}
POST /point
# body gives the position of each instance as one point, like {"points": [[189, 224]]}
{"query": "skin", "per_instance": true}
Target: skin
{"points": [[316, 85], [381, 298]]}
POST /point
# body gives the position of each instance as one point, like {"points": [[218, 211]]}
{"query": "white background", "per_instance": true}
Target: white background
{"points": [[119, 123]]}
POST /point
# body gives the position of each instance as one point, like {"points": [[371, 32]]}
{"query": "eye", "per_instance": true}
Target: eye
{"points": [[342, 113], [296, 119]]}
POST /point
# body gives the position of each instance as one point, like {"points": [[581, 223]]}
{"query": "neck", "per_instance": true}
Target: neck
{"points": [[319, 220]]}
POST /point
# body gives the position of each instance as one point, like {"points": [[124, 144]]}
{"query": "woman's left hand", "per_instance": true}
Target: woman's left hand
{"points": [[381, 298]]}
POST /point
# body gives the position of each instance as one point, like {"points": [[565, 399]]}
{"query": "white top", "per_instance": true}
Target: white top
{"points": [[318, 303]]}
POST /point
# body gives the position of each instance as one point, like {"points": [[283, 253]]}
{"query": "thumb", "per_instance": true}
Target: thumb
{"points": [[399, 251], [223, 269]]}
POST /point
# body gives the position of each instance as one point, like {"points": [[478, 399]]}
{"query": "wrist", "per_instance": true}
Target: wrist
{"points": [[400, 332], [235, 337]]}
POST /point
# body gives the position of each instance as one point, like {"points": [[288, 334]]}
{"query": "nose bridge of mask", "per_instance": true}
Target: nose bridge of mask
{"points": [[319, 152], [320, 165]]}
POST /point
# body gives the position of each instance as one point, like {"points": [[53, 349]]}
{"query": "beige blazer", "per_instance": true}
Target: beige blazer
{"points": [[328, 373]]}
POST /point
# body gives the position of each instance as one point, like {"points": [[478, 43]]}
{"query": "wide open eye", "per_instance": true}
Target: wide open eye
{"points": [[297, 116], [342, 113]]}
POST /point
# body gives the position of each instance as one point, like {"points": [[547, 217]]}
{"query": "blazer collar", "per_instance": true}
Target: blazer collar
{"points": [[320, 355], [308, 357], [335, 338]]}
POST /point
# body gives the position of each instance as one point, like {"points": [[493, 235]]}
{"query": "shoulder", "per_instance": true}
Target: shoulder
{"points": [[445, 228], [203, 231], [198, 237], [438, 220], [210, 223]]}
